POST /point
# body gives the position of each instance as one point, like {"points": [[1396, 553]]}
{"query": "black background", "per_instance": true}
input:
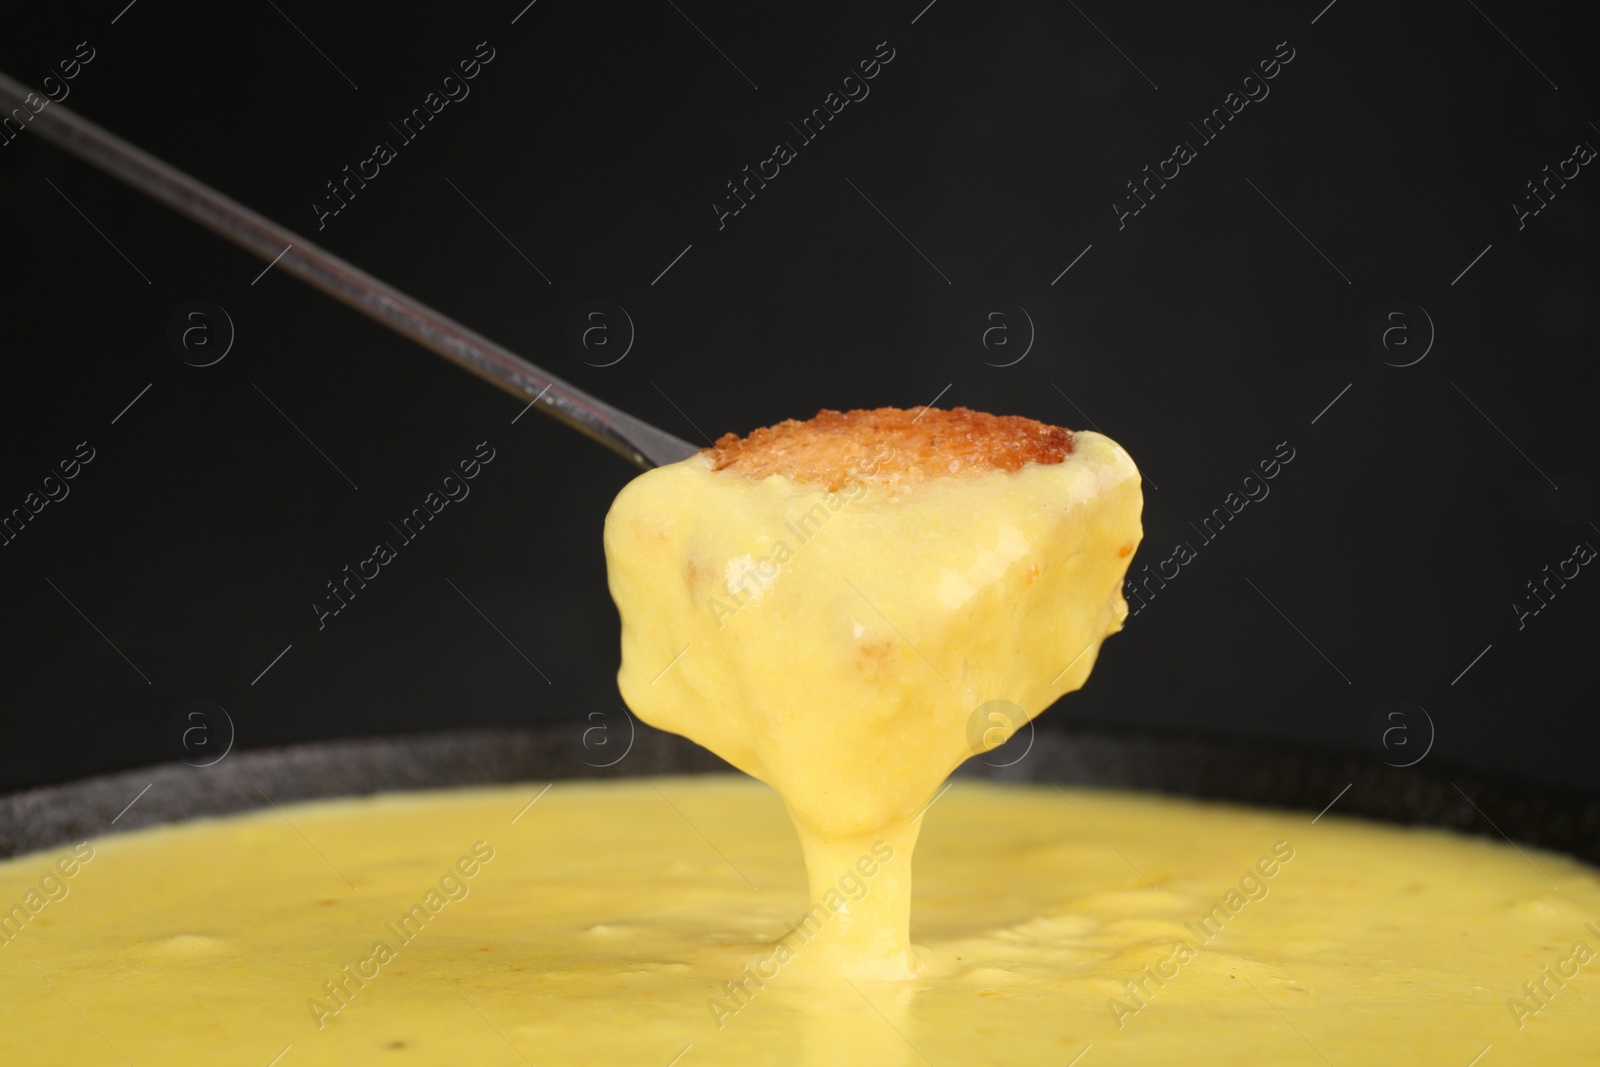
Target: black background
{"points": [[1200, 335]]}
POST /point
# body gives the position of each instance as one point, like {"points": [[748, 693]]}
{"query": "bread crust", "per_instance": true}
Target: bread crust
{"points": [[890, 445]]}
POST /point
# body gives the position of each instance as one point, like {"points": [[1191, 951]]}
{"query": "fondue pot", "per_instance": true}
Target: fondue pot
{"points": [[1210, 769]]}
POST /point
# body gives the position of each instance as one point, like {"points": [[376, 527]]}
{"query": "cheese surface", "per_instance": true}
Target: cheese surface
{"points": [[621, 923], [852, 646]]}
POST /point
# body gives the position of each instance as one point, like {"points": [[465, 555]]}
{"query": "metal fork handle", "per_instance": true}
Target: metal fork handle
{"points": [[634, 440]]}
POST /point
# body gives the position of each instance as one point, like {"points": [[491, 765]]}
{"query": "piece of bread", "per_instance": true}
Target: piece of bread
{"points": [[849, 607], [890, 446]]}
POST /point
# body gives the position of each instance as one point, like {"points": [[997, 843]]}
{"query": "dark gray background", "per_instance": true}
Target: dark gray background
{"points": [[1200, 336]]}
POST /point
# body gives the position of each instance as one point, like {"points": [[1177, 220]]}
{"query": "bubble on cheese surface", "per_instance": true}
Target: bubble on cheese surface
{"points": [[825, 604]]}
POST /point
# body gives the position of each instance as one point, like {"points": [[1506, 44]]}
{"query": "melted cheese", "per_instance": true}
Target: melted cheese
{"points": [[846, 648], [620, 923], [837, 645]]}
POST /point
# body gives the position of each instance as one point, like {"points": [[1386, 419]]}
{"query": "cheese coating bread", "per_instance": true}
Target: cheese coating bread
{"points": [[827, 604]]}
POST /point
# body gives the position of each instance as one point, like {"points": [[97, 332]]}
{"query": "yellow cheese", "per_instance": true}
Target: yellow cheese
{"points": [[838, 645], [849, 647], [621, 923]]}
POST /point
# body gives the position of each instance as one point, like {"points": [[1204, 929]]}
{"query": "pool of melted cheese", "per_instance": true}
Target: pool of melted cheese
{"points": [[638, 921]]}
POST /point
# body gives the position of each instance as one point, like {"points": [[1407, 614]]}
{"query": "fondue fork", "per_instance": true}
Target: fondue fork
{"points": [[631, 438]]}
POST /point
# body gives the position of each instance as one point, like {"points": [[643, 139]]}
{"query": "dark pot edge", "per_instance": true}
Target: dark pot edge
{"points": [[1208, 768]]}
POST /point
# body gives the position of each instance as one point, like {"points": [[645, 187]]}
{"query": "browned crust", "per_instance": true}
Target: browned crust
{"points": [[890, 445]]}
